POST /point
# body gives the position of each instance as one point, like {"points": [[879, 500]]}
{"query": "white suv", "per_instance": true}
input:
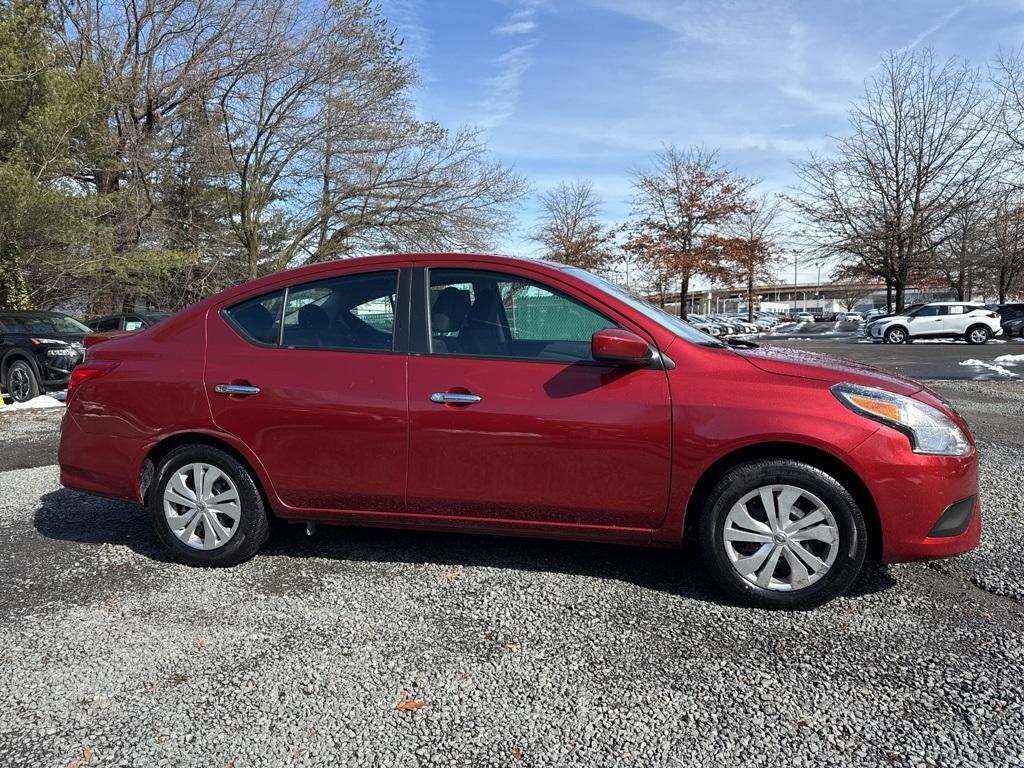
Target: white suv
{"points": [[941, 319]]}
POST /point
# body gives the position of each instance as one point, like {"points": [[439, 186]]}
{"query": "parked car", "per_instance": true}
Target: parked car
{"points": [[804, 317], [38, 351], [941, 319], [880, 314], [1011, 319], [127, 321], [850, 317], [496, 395]]}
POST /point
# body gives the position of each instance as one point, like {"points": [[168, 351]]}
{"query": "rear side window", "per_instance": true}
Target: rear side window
{"points": [[351, 312], [258, 319], [106, 324]]}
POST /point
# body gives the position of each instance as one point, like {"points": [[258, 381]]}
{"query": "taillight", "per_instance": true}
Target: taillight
{"points": [[992, 314], [90, 369]]}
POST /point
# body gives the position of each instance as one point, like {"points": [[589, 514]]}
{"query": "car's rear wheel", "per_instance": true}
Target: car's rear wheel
{"points": [[22, 384], [782, 534], [206, 508], [977, 334], [895, 336]]}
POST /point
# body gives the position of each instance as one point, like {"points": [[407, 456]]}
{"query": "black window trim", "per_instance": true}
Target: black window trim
{"points": [[399, 336], [422, 336]]}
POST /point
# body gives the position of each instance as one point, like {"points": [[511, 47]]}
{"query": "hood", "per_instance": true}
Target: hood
{"points": [[814, 365]]}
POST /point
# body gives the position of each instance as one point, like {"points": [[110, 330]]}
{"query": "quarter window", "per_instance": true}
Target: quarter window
{"points": [[490, 314], [259, 319]]}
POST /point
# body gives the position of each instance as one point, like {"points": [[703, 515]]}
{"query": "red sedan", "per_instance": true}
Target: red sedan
{"points": [[496, 395]]}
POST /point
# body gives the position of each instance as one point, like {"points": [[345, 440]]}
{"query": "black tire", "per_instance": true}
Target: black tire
{"points": [[977, 334], [850, 550], [21, 382], [896, 335], [253, 527]]}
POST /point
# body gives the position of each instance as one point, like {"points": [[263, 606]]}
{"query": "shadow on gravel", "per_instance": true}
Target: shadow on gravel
{"points": [[67, 515], [70, 516]]}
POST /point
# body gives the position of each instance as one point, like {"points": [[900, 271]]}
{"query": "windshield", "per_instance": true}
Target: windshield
{"points": [[672, 323], [42, 322]]}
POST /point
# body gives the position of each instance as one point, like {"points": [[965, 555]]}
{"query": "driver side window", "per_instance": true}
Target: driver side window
{"points": [[492, 314]]}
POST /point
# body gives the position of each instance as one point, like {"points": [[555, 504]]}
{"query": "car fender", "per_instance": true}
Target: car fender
{"points": [[250, 458], [17, 353]]}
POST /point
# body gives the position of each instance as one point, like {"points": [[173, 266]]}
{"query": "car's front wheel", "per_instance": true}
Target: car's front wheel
{"points": [[22, 384], [782, 534], [206, 508]]}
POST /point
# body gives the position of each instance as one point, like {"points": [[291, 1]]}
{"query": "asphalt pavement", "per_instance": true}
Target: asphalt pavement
{"points": [[920, 360]]}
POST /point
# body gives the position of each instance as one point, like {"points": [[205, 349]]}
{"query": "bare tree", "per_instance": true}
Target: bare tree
{"points": [[922, 145], [685, 198], [1006, 234], [325, 156], [570, 229]]}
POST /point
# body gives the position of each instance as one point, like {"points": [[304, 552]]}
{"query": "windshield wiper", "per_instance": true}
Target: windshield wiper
{"points": [[742, 343]]}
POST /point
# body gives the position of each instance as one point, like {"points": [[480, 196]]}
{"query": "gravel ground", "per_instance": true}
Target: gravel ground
{"points": [[522, 652]]}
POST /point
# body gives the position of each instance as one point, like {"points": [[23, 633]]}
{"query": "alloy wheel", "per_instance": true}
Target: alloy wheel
{"points": [[20, 384], [202, 506], [896, 336], [979, 336], [781, 538]]}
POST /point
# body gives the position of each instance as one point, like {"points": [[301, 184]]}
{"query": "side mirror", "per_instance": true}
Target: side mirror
{"points": [[621, 347]]}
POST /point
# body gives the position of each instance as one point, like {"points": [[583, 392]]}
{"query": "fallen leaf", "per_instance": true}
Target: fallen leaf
{"points": [[406, 703], [517, 754], [200, 643], [87, 754], [511, 646], [450, 575], [231, 763]]}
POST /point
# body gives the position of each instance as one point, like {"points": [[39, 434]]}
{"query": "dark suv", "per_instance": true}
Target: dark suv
{"points": [[38, 351], [1012, 318]]}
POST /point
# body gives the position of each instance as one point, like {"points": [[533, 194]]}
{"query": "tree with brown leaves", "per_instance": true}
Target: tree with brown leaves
{"points": [[685, 198], [749, 248]]}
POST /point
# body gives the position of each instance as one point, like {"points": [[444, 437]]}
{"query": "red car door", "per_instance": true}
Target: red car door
{"points": [[311, 378], [512, 420]]}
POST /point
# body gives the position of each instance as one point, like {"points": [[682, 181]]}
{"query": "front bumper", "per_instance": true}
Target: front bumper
{"points": [[56, 363], [912, 493]]}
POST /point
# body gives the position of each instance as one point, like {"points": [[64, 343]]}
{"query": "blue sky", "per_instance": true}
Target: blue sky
{"points": [[567, 89]]}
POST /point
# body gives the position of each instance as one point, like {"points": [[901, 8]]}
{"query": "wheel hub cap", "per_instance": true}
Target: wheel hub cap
{"points": [[781, 537], [202, 506]]}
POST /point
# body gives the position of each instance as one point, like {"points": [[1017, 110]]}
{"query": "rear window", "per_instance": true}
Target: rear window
{"points": [[42, 322], [258, 319]]}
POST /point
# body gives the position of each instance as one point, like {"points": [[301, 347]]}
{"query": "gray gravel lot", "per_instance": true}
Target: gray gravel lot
{"points": [[525, 653]]}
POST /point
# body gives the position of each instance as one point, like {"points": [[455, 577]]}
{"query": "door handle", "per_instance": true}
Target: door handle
{"points": [[238, 390], [454, 398]]}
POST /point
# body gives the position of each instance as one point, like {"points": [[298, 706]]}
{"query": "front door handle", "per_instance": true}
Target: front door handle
{"points": [[454, 398], [238, 390]]}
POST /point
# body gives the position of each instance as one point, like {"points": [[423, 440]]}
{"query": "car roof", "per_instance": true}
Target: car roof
{"points": [[30, 313], [384, 261], [952, 303]]}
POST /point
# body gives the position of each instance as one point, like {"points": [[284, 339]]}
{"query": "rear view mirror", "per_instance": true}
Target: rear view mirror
{"points": [[621, 347]]}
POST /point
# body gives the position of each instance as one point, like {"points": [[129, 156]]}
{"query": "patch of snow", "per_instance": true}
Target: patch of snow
{"points": [[997, 369], [43, 401], [1010, 359]]}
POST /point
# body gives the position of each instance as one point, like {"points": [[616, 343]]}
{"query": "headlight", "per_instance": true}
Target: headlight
{"points": [[929, 430], [49, 341]]}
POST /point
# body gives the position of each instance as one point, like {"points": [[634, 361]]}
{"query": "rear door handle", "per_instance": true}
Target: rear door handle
{"points": [[454, 398], [239, 390]]}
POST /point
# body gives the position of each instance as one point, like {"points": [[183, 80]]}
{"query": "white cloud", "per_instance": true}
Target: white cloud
{"points": [[516, 28]]}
